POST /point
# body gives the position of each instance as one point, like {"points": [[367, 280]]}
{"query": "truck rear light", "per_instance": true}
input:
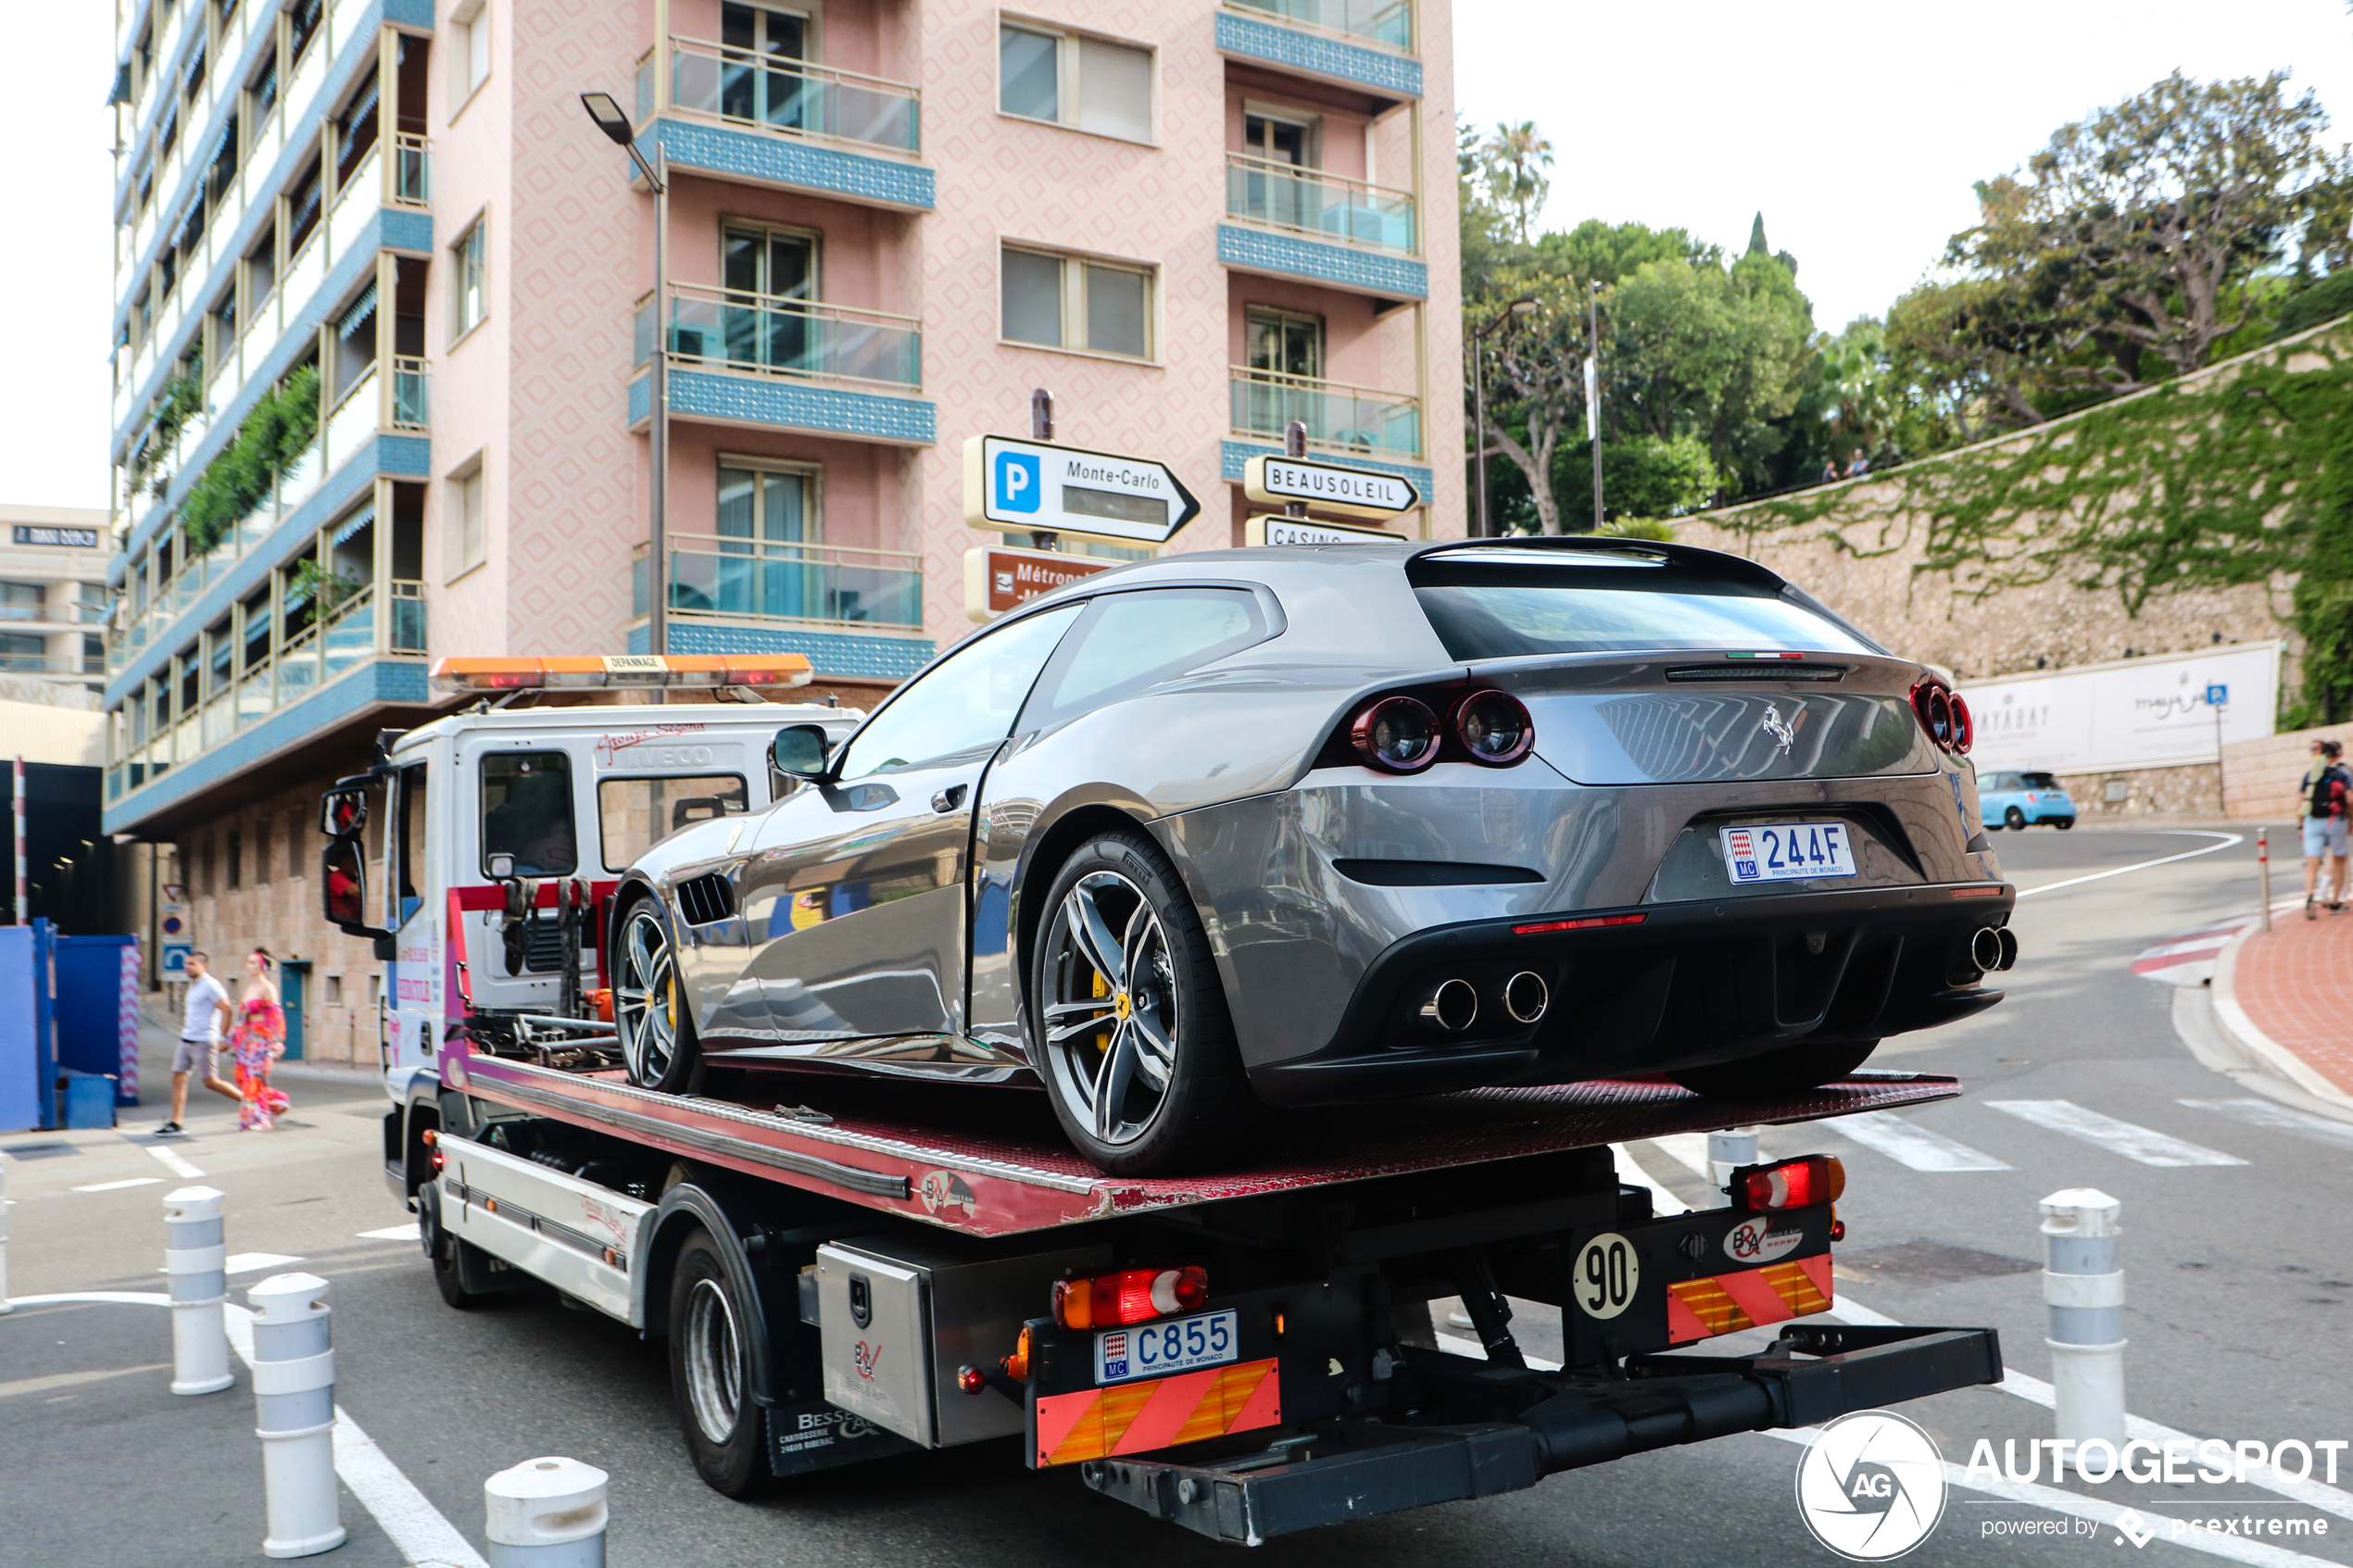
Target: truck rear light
{"points": [[1396, 735], [1793, 1183], [1129, 1296], [1017, 1364], [1495, 728]]}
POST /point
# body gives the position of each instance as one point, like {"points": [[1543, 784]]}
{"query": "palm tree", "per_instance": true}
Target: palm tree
{"points": [[1517, 157]]}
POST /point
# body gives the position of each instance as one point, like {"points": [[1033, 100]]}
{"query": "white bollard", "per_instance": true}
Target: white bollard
{"points": [[294, 1388], [1728, 1151], [545, 1514], [195, 1259], [2084, 1291]]}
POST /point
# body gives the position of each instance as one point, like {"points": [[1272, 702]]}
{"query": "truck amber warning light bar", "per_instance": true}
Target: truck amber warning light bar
{"points": [[622, 670]]}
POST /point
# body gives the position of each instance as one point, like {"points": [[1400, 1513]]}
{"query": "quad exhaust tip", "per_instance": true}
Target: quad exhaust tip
{"points": [[1525, 996], [1994, 947], [1450, 1007]]}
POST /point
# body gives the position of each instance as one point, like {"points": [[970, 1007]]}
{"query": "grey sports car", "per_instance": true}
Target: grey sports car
{"points": [[1222, 832]]}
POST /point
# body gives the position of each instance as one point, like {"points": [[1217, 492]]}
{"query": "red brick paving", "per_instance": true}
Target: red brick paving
{"points": [[2296, 982]]}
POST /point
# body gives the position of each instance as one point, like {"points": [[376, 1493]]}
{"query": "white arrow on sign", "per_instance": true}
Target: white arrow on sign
{"points": [[1030, 486], [1270, 481]]}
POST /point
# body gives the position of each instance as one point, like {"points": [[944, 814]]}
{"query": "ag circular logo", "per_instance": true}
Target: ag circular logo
{"points": [[1871, 1487]]}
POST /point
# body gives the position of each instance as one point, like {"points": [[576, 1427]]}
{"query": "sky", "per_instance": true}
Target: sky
{"points": [[1856, 126]]}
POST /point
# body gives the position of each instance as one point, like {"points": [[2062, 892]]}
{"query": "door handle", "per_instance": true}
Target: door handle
{"points": [[948, 799]]}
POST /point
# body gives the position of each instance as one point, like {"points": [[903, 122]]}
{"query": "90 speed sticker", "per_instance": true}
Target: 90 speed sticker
{"points": [[1608, 1274]]}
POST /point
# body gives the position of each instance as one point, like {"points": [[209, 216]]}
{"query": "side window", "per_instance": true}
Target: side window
{"points": [[632, 815], [968, 699], [526, 812], [1133, 640], [409, 876]]}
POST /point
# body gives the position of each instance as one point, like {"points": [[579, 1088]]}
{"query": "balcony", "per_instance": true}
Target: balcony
{"points": [[715, 576], [805, 126], [1338, 417], [1320, 228], [768, 361], [1367, 44]]}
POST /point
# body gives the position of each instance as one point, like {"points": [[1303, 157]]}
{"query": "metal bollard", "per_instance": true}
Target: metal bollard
{"points": [[195, 1259], [1727, 1150], [2084, 1291], [294, 1388], [545, 1514]]}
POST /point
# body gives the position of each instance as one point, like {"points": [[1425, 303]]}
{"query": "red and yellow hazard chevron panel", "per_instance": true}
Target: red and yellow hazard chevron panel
{"points": [[1701, 1309], [1134, 1418]]}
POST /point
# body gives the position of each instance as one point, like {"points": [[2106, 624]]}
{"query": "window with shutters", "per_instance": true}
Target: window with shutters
{"points": [[1073, 302], [1098, 85]]}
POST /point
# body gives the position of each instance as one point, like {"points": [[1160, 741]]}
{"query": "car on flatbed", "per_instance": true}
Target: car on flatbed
{"points": [[1229, 832]]}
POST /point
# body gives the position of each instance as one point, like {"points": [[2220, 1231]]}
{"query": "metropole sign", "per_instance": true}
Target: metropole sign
{"points": [[1040, 487]]}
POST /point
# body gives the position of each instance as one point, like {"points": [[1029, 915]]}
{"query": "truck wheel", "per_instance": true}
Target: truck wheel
{"points": [[1129, 1027], [711, 1371], [656, 1025], [1791, 1067], [450, 1263]]}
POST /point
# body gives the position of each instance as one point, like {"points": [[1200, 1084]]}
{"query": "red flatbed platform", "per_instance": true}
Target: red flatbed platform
{"points": [[991, 1162]]}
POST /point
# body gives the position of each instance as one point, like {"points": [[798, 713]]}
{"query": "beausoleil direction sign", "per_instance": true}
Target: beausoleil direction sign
{"points": [[2134, 713], [1036, 486], [1272, 481]]}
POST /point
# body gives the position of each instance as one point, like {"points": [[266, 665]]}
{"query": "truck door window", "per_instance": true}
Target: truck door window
{"points": [[408, 874], [527, 812], [632, 815]]}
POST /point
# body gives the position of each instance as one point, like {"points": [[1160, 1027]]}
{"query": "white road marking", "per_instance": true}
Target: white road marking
{"points": [[248, 1262], [2126, 1138], [2278, 1117], [1915, 1147], [391, 1232], [2228, 839], [1663, 1198], [117, 1186], [73, 1379], [172, 1160], [1689, 1151]]}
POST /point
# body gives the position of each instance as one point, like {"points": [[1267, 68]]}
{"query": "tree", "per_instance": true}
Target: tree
{"points": [[1711, 351], [1514, 161], [2122, 252]]}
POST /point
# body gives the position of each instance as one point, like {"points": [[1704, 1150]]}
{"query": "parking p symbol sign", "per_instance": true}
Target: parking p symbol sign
{"points": [[1018, 486]]}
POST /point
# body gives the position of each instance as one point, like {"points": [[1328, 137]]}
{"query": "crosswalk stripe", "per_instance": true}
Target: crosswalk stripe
{"points": [[2278, 1118], [1663, 1198], [1911, 1145], [117, 1186], [2131, 1141], [173, 1162], [391, 1232], [1689, 1151]]}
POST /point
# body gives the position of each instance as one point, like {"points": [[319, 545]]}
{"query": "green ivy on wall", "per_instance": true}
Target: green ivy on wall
{"points": [[274, 434], [2241, 476]]}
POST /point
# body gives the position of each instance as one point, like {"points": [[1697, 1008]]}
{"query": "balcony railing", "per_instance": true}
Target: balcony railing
{"points": [[407, 629], [718, 575], [411, 395], [798, 97], [1330, 207], [35, 664], [1338, 417], [785, 337], [409, 174], [1389, 22]]}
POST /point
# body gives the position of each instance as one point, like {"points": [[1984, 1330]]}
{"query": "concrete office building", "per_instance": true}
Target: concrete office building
{"points": [[387, 304], [53, 595]]}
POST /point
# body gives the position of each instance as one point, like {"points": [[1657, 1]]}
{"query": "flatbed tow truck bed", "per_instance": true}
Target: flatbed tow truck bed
{"points": [[890, 1248]]}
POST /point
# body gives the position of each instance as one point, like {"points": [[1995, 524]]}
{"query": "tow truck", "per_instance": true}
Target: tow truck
{"points": [[850, 1266]]}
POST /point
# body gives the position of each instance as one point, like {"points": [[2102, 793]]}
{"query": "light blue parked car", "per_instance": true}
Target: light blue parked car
{"points": [[2019, 801]]}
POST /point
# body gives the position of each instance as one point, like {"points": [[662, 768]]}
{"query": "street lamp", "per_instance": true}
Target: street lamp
{"points": [[1523, 306], [606, 113]]}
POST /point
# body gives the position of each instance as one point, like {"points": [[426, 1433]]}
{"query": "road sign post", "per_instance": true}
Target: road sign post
{"points": [[2218, 698], [999, 578], [1287, 530], [1037, 487], [1367, 492]]}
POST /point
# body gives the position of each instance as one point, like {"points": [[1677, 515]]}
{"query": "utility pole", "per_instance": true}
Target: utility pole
{"points": [[1594, 393], [1041, 428]]}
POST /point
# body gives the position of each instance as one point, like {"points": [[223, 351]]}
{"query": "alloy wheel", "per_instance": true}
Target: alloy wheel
{"points": [[1111, 1020], [645, 997]]}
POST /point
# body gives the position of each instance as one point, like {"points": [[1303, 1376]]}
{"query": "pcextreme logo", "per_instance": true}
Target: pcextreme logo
{"points": [[1871, 1487]]}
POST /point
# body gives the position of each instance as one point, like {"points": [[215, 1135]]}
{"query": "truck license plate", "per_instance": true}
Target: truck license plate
{"points": [[1787, 852], [1156, 1350]]}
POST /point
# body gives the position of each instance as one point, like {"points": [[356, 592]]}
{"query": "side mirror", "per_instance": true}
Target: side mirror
{"points": [[344, 874], [798, 751], [343, 812]]}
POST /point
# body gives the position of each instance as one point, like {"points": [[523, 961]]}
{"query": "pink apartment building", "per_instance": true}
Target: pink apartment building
{"points": [[387, 305]]}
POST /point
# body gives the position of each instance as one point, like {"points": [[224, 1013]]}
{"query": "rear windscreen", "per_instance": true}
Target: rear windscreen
{"points": [[1509, 611], [2039, 780]]}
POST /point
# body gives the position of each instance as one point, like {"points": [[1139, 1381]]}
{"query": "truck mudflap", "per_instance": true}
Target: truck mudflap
{"points": [[1562, 1421]]}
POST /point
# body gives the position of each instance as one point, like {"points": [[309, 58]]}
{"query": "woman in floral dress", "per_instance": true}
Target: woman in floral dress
{"points": [[257, 1039]]}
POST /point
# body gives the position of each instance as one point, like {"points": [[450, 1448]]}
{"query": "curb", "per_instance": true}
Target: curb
{"points": [[2234, 1022]]}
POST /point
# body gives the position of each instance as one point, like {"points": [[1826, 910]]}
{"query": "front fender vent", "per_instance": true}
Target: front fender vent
{"points": [[706, 898], [1758, 671]]}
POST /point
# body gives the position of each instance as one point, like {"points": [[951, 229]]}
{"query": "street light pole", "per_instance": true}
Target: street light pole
{"points": [[1480, 526], [1594, 393], [606, 112]]}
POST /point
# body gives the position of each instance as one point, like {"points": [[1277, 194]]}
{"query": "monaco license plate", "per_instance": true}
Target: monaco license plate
{"points": [[1156, 1350], [1787, 851]]}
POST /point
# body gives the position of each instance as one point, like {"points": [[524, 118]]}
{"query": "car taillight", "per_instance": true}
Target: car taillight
{"points": [[1793, 1183], [1129, 1296], [1495, 728], [1396, 735], [1945, 716]]}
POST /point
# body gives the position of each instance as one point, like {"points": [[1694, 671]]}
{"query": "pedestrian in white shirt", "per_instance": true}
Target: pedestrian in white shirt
{"points": [[208, 1012]]}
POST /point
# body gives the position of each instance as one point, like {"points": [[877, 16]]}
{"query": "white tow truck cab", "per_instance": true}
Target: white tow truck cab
{"points": [[844, 1267]]}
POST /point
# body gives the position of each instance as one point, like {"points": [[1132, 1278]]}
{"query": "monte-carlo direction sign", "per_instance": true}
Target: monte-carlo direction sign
{"points": [[1274, 481], [1038, 486]]}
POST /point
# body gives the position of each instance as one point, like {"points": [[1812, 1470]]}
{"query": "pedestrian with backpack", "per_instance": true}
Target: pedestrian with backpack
{"points": [[2328, 802]]}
